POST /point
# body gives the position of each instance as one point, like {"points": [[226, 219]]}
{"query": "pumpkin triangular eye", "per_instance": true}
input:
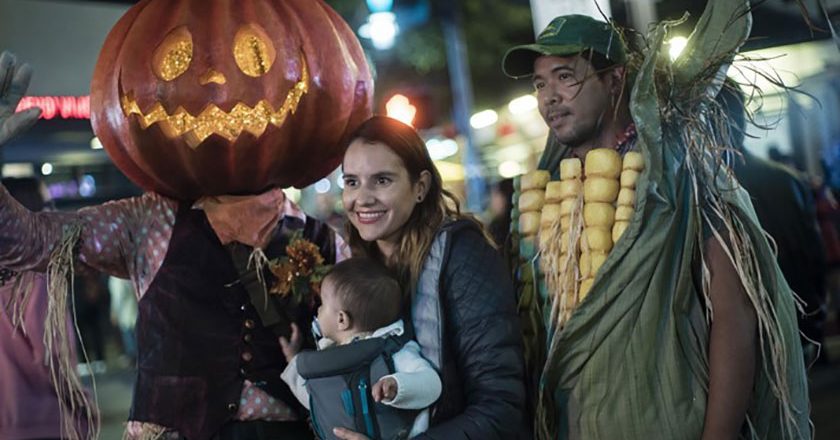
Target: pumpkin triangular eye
{"points": [[174, 54], [253, 51]]}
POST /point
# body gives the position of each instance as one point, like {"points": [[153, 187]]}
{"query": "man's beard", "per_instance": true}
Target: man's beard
{"points": [[578, 134]]}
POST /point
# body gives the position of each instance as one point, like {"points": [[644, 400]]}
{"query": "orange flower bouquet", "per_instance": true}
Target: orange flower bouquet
{"points": [[299, 273]]}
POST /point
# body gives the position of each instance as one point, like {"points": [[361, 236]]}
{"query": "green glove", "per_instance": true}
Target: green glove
{"points": [[14, 80]]}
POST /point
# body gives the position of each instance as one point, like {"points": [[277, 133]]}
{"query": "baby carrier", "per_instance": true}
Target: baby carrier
{"points": [[339, 380]]}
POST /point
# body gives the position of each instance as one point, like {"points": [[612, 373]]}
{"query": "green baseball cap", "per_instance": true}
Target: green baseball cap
{"points": [[566, 35]]}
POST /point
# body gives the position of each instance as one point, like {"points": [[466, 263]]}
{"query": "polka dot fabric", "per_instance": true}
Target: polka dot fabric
{"points": [[256, 404]]}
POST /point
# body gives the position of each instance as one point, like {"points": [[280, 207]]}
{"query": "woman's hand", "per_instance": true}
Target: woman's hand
{"points": [[346, 434], [291, 346], [14, 80]]}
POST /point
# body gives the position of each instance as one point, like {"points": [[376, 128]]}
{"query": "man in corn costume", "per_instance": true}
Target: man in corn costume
{"points": [[687, 328]]}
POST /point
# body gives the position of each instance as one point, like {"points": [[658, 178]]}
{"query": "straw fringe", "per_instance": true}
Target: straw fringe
{"points": [[16, 306], [259, 260], [706, 140], [148, 431], [562, 277], [72, 397]]}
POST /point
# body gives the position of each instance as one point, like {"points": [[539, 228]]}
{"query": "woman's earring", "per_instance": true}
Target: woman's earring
{"points": [[419, 199]]}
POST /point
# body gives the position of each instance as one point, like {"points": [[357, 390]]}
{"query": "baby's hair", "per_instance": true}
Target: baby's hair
{"points": [[367, 291]]}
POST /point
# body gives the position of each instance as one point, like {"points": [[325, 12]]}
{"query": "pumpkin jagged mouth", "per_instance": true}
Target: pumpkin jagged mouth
{"points": [[213, 120]]}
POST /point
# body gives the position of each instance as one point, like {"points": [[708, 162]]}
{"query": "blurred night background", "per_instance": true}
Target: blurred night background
{"points": [[438, 63]]}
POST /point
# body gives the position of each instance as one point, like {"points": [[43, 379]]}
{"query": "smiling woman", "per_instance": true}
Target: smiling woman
{"points": [[456, 286], [379, 195]]}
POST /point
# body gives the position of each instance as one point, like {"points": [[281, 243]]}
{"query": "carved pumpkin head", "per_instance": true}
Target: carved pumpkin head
{"points": [[197, 97]]}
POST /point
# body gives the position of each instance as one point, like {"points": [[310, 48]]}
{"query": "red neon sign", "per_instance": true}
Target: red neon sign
{"points": [[64, 107]]}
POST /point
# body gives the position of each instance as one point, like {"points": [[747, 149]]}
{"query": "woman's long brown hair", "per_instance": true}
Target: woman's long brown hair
{"points": [[437, 207]]}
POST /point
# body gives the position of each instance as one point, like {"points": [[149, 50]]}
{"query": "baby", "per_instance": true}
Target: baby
{"points": [[359, 322]]}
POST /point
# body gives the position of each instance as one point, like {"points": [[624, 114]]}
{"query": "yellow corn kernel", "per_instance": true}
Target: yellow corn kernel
{"points": [[570, 189], [600, 189], [634, 160], [623, 213], [603, 162], [529, 223], [618, 230], [598, 239], [598, 214], [585, 288], [550, 214], [535, 180], [626, 197], [552, 192], [570, 169], [567, 206], [531, 200], [597, 260], [585, 264], [629, 178]]}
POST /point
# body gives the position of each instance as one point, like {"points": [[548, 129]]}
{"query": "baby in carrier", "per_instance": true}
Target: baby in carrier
{"points": [[367, 375]]}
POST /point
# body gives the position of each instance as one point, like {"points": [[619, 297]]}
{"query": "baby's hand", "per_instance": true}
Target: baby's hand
{"points": [[384, 389], [291, 347]]}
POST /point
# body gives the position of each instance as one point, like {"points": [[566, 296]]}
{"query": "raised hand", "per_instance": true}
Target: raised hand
{"points": [[291, 346], [14, 80]]}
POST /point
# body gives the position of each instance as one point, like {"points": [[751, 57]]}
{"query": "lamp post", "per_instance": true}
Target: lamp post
{"points": [[459, 79]]}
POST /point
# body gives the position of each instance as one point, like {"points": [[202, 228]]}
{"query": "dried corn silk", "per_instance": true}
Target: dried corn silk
{"points": [[559, 252], [550, 214]]}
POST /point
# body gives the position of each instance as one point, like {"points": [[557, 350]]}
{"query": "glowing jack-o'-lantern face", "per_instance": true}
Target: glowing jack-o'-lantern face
{"points": [[254, 54], [235, 98]]}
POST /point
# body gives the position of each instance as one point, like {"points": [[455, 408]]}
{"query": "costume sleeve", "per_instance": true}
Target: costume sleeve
{"points": [[484, 332], [296, 383], [418, 384], [114, 236]]}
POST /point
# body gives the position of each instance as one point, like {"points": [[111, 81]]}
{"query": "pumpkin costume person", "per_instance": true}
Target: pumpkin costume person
{"points": [[213, 108], [634, 345]]}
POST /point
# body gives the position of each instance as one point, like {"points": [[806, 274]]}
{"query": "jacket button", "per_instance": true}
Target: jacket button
{"points": [[248, 337], [249, 323], [247, 356], [232, 407]]}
